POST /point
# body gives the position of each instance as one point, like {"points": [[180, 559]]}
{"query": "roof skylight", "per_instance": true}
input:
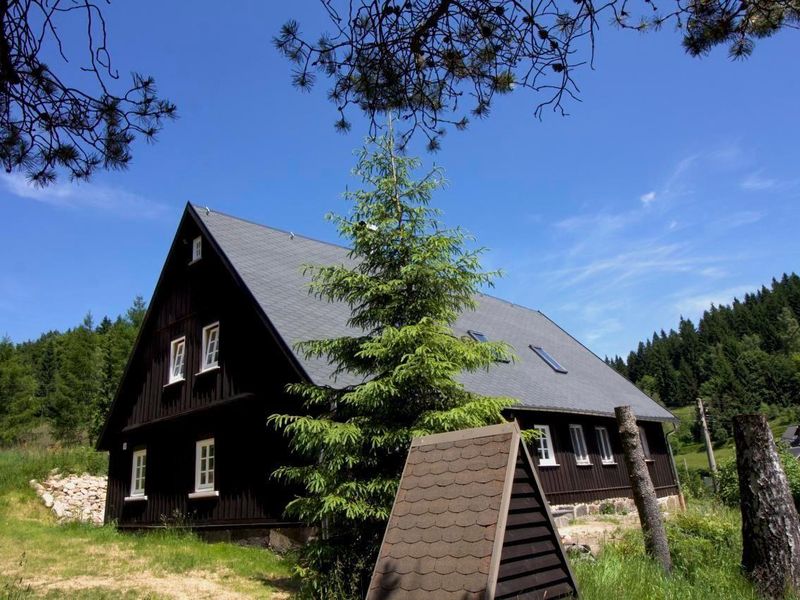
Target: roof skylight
{"points": [[545, 356], [477, 336]]}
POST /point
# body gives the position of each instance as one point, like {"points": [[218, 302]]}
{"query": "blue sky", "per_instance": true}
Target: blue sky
{"points": [[673, 184]]}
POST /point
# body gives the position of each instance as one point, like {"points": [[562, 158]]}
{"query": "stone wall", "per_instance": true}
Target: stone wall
{"points": [[79, 498], [564, 513]]}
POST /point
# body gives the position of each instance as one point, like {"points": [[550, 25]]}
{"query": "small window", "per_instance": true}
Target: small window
{"points": [[197, 249], [544, 446], [177, 359], [545, 356], [204, 466], [604, 444], [477, 336], [579, 445], [210, 347], [645, 445], [138, 470]]}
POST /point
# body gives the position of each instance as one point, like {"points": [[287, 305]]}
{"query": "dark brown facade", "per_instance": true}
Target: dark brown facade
{"points": [[230, 403], [567, 482]]}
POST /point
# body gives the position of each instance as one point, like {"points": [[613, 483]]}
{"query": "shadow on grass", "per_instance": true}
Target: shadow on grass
{"points": [[282, 584]]}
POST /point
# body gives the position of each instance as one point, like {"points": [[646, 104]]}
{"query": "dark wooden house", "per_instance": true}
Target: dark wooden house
{"points": [[187, 433]]}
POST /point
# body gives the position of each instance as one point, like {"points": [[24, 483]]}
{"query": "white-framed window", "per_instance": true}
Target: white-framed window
{"points": [[579, 445], [544, 446], [210, 347], [645, 445], [177, 359], [204, 466], [604, 445], [138, 472], [197, 249]]}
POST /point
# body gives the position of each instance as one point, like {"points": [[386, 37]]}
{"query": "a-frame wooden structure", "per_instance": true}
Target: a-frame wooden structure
{"points": [[470, 521]]}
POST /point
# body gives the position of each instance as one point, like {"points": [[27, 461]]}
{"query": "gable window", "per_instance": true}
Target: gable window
{"points": [[545, 356], [645, 445], [579, 444], [204, 466], [197, 249], [210, 347], [604, 444], [544, 446], [177, 359], [138, 469]]}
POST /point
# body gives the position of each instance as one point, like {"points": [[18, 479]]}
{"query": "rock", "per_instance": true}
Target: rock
{"points": [[48, 499], [581, 510], [59, 509]]}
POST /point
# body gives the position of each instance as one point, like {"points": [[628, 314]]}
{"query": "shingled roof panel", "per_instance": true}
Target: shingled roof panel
{"points": [[470, 536], [270, 263]]}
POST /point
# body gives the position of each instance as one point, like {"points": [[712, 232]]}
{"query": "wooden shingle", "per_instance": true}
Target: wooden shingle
{"points": [[470, 521]]}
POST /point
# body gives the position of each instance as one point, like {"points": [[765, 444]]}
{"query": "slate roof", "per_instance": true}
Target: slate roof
{"points": [[270, 263], [790, 435], [445, 536]]}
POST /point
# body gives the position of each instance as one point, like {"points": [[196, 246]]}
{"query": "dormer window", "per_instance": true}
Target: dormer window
{"points": [[177, 360], [197, 249], [210, 347]]}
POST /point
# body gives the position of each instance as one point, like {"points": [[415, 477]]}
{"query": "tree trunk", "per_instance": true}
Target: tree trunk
{"points": [[644, 494], [770, 525], [712, 461]]}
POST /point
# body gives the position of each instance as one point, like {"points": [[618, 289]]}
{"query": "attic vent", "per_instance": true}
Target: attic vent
{"points": [[545, 356]]}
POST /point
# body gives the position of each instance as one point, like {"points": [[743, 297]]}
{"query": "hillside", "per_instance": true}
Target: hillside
{"points": [[739, 358]]}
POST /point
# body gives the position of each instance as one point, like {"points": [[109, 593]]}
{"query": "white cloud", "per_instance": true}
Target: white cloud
{"points": [[756, 182], [737, 219], [647, 198], [694, 306], [84, 196]]}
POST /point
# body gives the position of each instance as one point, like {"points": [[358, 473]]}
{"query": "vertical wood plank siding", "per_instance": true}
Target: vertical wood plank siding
{"points": [[231, 403], [569, 483]]}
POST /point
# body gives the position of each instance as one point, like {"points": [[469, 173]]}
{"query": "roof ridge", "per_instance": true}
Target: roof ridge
{"points": [[257, 224], [199, 208], [466, 434]]}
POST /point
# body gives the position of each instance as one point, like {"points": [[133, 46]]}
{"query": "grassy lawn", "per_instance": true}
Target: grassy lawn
{"points": [[40, 558]]}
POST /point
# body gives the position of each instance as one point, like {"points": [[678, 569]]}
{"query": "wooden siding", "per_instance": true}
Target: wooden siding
{"points": [[532, 566], [230, 403], [569, 483], [246, 453]]}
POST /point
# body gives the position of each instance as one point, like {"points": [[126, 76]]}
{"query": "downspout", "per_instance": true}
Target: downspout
{"points": [[681, 499]]}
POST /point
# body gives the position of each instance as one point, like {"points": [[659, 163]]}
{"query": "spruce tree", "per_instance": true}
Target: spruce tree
{"points": [[407, 281], [18, 404]]}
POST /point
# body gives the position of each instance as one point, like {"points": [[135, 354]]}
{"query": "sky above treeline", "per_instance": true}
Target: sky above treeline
{"points": [[673, 184]]}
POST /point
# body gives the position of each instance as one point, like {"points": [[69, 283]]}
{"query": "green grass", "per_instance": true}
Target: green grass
{"points": [[705, 543], [40, 558], [694, 456]]}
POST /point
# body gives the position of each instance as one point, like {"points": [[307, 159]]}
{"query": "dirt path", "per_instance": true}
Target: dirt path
{"points": [[596, 531]]}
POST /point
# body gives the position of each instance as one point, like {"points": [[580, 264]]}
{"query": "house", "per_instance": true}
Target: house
{"points": [[187, 433], [791, 438], [470, 522]]}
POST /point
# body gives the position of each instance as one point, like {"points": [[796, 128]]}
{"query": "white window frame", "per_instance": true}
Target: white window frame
{"points": [[173, 353], [208, 485], [205, 365], [582, 452], [550, 459], [138, 475], [604, 445], [197, 249], [645, 443]]}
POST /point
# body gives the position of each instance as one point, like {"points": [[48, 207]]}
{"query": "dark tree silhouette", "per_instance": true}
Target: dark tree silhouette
{"points": [[438, 62], [48, 123]]}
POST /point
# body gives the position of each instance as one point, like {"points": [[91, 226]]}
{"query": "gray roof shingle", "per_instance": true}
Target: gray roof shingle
{"points": [[270, 263]]}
